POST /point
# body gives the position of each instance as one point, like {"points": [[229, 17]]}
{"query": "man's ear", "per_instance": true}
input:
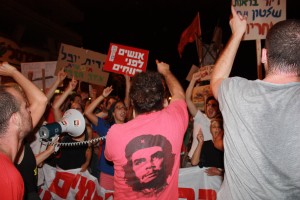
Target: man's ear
{"points": [[264, 56], [15, 119]]}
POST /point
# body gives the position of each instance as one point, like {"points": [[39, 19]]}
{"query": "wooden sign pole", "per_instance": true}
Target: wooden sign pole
{"points": [[258, 59]]}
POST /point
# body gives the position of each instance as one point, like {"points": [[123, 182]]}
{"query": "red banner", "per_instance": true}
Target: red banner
{"points": [[71, 184], [193, 184], [126, 60]]}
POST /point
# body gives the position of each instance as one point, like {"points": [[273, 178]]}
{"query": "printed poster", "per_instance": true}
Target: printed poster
{"points": [[126, 60]]}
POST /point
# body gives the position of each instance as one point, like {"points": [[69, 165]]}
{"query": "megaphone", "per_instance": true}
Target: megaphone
{"points": [[72, 122]]}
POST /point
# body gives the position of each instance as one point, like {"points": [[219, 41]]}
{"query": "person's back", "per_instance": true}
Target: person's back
{"points": [[146, 150], [264, 142], [158, 129], [261, 117]]}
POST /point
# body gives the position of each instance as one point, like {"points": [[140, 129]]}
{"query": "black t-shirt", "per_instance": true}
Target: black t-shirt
{"points": [[210, 156], [71, 157], [28, 169]]}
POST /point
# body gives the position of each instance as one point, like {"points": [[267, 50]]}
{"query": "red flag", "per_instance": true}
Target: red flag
{"points": [[190, 34]]}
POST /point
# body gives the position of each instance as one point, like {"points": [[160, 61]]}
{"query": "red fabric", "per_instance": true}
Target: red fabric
{"points": [[11, 184], [50, 117], [186, 193], [189, 34], [106, 181], [207, 194]]}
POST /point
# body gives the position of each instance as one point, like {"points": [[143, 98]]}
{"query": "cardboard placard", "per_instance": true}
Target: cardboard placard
{"points": [[199, 96], [34, 72], [261, 16], [85, 65]]}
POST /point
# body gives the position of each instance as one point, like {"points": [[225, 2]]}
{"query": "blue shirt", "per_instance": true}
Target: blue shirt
{"points": [[104, 165]]}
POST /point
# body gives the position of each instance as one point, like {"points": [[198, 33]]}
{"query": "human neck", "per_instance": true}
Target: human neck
{"points": [[119, 122], [10, 147], [135, 114], [282, 78]]}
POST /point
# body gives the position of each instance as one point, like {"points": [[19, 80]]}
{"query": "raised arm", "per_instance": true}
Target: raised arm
{"points": [[224, 63], [196, 155], [36, 98], [129, 114], [57, 104], [188, 94], [127, 85], [89, 110], [174, 86], [60, 77]]}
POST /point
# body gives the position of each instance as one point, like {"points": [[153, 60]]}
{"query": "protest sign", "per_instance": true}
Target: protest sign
{"points": [[126, 60], [85, 65]]}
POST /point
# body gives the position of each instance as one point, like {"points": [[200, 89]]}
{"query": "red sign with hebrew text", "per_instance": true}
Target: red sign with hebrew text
{"points": [[126, 60]]}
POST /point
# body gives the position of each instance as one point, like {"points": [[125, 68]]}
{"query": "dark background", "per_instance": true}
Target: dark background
{"points": [[157, 26]]}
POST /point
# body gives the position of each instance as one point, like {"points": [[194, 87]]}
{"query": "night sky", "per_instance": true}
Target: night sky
{"points": [[157, 25]]}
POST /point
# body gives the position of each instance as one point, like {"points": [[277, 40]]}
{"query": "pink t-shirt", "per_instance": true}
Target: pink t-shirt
{"points": [[146, 153], [11, 182]]}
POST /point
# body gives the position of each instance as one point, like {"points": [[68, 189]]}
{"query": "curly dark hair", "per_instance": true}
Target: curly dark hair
{"points": [[147, 92]]}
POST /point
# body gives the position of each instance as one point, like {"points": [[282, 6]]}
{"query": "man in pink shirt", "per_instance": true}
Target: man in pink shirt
{"points": [[146, 150]]}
